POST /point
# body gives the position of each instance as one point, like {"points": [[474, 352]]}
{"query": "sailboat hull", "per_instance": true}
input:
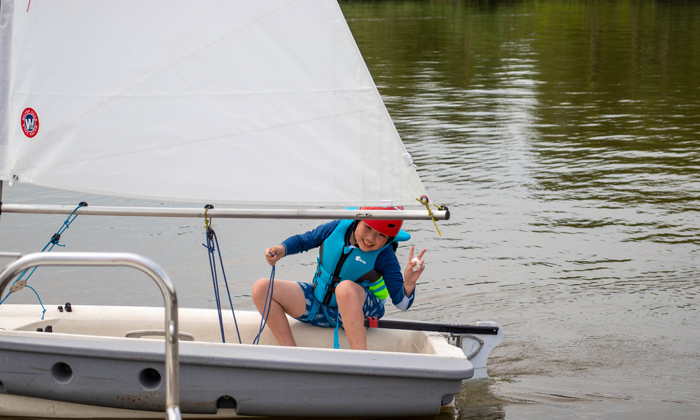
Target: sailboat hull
{"points": [[88, 360]]}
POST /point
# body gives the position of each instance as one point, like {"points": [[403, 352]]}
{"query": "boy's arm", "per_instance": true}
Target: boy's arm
{"points": [[401, 287], [309, 240], [388, 265]]}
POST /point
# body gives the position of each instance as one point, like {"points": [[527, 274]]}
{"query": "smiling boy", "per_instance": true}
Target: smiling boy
{"points": [[356, 273]]}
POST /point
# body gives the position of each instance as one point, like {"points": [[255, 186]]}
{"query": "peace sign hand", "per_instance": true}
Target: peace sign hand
{"points": [[414, 268]]}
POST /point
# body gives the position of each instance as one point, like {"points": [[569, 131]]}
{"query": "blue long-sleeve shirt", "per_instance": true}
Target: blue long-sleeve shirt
{"points": [[386, 263]]}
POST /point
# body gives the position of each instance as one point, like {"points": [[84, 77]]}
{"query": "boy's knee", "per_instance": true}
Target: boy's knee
{"points": [[348, 291], [260, 287]]}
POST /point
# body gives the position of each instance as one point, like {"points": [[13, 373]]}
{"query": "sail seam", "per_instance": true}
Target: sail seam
{"points": [[209, 138], [199, 200], [160, 70], [199, 94]]}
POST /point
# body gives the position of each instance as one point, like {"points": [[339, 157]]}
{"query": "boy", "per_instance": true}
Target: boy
{"points": [[357, 271]]}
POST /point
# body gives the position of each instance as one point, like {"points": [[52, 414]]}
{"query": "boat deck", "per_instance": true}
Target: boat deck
{"points": [[93, 357]]}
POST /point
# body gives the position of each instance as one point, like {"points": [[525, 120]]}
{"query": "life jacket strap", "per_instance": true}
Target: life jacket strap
{"points": [[314, 310], [336, 340], [335, 278]]}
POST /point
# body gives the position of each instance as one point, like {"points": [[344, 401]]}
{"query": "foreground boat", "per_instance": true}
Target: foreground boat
{"points": [[103, 361]]}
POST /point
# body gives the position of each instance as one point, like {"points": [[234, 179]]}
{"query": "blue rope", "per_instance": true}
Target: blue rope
{"points": [[266, 307], [213, 245], [42, 305], [53, 242], [212, 267], [228, 292]]}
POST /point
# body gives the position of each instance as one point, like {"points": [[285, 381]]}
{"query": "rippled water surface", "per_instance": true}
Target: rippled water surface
{"points": [[564, 136]]}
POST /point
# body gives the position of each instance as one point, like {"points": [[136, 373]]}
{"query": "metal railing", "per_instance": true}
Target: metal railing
{"points": [[172, 391]]}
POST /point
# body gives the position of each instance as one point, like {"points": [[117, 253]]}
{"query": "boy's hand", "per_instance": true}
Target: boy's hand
{"points": [[414, 269], [274, 254]]}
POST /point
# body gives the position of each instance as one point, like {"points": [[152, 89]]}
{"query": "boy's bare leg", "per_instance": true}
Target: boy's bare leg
{"points": [[287, 298], [350, 297]]}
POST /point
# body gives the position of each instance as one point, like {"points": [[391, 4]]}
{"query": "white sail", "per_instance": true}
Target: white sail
{"points": [[251, 102]]}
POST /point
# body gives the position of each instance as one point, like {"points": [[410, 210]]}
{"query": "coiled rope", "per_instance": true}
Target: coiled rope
{"points": [[52, 242]]}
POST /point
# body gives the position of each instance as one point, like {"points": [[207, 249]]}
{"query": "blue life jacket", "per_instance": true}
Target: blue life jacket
{"points": [[338, 262]]}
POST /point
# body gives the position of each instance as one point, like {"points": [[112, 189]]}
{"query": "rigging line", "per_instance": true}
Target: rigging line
{"points": [[213, 244], [218, 249], [53, 241], [6, 296], [204, 139], [55, 238], [212, 267], [424, 201], [185, 56], [40, 303], [266, 308]]}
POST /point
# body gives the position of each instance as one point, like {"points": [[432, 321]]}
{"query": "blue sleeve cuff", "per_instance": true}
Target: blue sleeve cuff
{"points": [[406, 302]]}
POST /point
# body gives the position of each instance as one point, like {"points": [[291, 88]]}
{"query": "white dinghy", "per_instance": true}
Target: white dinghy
{"points": [[101, 361], [199, 102]]}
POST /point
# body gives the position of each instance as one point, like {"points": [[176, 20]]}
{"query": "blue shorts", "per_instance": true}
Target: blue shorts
{"points": [[372, 307]]}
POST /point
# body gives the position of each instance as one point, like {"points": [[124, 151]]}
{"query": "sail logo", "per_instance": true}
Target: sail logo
{"points": [[30, 122], [359, 259]]}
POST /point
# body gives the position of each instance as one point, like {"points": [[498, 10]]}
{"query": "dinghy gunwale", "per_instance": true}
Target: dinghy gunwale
{"points": [[448, 363], [106, 371]]}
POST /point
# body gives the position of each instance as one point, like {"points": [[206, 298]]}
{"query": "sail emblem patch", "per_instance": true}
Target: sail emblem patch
{"points": [[30, 122]]}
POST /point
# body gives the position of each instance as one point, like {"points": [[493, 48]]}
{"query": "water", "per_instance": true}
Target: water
{"points": [[564, 137]]}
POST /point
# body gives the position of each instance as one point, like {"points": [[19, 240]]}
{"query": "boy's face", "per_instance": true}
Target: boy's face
{"points": [[369, 239]]}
